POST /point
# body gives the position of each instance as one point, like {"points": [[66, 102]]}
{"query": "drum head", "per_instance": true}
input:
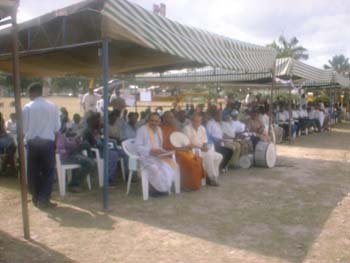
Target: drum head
{"points": [[271, 155], [246, 161], [178, 139]]}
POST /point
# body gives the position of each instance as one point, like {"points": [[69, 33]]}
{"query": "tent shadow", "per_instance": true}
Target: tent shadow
{"points": [[30, 251], [258, 210]]}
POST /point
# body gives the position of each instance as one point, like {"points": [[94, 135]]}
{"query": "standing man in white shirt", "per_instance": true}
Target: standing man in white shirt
{"points": [[89, 101], [41, 122]]}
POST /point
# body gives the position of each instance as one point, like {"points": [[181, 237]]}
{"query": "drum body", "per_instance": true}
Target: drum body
{"points": [[246, 147], [265, 154], [246, 161]]}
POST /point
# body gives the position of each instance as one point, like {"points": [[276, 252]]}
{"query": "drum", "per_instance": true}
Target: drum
{"points": [[265, 154], [246, 147], [179, 139], [246, 161]]}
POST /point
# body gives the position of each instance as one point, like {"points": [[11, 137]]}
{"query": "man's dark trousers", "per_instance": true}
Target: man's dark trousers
{"points": [[41, 168]]}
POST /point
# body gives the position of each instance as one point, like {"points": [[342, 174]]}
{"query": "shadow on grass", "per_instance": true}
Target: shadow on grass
{"points": [[17, 251], [276, 212]]}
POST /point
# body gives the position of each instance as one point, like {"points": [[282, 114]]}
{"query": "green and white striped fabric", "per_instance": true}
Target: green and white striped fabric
{"points": [[159, 33], [285, 68]]}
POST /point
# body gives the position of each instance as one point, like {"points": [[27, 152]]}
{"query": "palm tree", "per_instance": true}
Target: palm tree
{"points": [[289, 48], [339, 63]]}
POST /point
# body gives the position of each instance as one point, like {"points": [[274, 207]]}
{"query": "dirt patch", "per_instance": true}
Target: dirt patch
{"points": [[297, 212]]}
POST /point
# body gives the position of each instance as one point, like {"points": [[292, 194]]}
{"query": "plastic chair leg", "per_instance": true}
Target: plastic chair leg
{"points": [[62, 182], [145, 187], [88, 180], [177, 181], [129, 182], [123, 168], [100, 173]]}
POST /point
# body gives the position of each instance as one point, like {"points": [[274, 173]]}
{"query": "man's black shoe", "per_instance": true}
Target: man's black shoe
{"points": [[45, 205]]}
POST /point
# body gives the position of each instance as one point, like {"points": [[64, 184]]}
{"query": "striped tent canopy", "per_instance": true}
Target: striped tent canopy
{"points": [[285, 68], [141, 41], [6, 7]]}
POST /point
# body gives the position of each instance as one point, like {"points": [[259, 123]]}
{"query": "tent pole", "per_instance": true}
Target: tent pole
{"points": [[105, 70], [273, 74], [24, 201], [290, 115]]}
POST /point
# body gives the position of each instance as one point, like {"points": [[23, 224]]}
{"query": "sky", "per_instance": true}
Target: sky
{"points": [[321, 26]]}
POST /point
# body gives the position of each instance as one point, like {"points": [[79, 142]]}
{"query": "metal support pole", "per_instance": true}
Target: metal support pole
{"points": [[24, 201], [105, 69], [290, 115], [271, 100]]}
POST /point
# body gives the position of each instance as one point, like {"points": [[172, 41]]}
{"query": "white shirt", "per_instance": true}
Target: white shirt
{"points": [[89, 102], [197, 137], [303, 113], [265, 120], [41, 119], [281, 117], [228, 129], [99, 106], [11, 127], [214, 129], [238, 126]]}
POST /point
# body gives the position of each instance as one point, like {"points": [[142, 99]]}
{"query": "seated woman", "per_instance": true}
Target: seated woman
{"points": [[71, 150], [159, 169], [92, 135], [7, 148]]}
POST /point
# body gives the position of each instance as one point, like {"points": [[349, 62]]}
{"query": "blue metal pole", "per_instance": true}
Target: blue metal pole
{"points": [[105, 69]]}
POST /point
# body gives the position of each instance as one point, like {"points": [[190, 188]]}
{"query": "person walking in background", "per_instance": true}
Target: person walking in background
{"points": [[41, 122], [89, 101]]}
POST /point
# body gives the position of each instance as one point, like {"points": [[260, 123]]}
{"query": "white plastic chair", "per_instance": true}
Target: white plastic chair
{"points": [[129, 148], [63, 170], [99, 162]]}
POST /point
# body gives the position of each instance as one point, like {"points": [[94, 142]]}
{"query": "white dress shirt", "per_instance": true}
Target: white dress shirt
{"points": [[228, 129], [197, 137], [41, 119], [89, 102], [238, 126], [214, 129]]}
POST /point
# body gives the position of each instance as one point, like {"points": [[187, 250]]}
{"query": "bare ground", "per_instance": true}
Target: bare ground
{"points": [[297, 212]]}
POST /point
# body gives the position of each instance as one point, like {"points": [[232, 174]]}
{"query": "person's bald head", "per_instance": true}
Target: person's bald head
{"points": [[196, 120], [168, 118]]}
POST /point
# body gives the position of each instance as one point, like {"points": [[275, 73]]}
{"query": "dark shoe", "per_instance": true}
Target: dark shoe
{"points": [[157, 194], [212, 183], [46, 205], [75, 189]]}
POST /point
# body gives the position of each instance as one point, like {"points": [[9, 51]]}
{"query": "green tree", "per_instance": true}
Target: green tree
{"points": [[339, 63], [289, 48]]}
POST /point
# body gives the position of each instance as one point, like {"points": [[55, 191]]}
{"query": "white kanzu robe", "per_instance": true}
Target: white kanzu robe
{"points": [[159, 171], [211, 158]]}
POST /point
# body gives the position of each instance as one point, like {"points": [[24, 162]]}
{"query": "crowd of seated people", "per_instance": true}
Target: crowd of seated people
{"points": [[305, 119], [218, 137]]}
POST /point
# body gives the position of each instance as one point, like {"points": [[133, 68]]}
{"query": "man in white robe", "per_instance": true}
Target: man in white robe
{"points": [[198, 138], [159, 168]]}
